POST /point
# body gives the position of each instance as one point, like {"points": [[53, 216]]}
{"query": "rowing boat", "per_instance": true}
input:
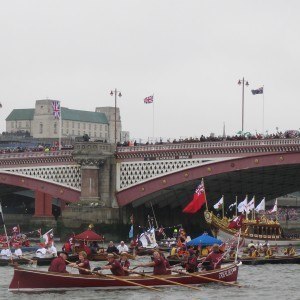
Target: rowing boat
{"points": [[25, 279]]}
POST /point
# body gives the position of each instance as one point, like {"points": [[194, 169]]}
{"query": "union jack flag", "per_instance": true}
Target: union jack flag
{"points": [[148, 99], [56, 109]]}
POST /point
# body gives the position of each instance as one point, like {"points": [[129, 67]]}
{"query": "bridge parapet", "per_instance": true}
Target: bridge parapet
{"points": [[36, 158], [149, 152]]}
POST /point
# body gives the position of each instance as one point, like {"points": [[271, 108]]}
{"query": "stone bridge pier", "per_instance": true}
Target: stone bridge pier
{"points": [[98, 186]]}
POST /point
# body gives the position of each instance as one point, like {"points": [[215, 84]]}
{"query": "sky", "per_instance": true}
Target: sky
{"points": [[188, 54]]}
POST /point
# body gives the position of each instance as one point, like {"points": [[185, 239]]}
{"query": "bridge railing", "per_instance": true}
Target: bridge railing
{"points": [[203, 145], [21, 155]]}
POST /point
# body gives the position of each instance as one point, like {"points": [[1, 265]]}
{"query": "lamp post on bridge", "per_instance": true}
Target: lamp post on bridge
{"points": [[243, 82], [116, 93]]}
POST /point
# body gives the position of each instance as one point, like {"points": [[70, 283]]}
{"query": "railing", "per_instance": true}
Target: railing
{"points": [[204, 145], [21, 155]]}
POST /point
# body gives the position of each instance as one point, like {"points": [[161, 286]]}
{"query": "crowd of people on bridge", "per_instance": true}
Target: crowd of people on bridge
{"points": [[238, 137]]}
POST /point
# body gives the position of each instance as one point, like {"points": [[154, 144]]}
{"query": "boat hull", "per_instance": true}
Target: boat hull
{"points": [[224, 233], [34, 280]]}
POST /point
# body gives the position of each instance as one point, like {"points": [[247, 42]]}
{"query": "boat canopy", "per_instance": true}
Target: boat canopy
{"points": [[204, 240], [89, 235]]}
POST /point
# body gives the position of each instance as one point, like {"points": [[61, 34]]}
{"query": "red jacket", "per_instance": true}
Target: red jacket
{"points": [[58, 265]]}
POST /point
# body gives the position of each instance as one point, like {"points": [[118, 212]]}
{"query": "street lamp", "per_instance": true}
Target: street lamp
{"points": [[116, 93], [243, 83]]}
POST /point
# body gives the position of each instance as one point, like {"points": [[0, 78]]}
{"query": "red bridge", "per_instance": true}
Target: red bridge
{"points": [[165, 174]]}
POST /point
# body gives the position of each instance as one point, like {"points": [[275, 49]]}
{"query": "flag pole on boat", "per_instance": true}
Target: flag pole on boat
{"points": [[236, 208], [223, 207], [154, 215]]}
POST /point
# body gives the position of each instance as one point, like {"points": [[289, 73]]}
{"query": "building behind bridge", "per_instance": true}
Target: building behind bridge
{"points": [[40, 123]]}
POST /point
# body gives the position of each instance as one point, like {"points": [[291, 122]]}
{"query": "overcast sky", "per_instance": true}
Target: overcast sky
{"points": [[189, 54]]}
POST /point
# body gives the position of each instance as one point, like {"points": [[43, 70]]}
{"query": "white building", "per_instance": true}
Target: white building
{"points": [[40, 122]]}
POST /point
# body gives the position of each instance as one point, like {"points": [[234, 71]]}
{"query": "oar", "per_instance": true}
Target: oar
{"points": [[165, 280], [204, 277], [116, 278]]}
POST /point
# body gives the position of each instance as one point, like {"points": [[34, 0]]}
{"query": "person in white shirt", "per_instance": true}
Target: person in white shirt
{"points": [[52, 250], [5, 252], [41, 252], [122, 247], [18, 251]]}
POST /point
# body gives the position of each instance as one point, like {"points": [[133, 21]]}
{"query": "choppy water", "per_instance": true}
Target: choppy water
{"points": [[259, 282]]}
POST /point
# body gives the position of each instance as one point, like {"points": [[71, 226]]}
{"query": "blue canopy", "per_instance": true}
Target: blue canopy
{"points": [[204, 240]]}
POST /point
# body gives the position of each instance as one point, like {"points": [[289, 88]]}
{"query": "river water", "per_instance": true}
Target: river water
{"points": [[259, 282]]}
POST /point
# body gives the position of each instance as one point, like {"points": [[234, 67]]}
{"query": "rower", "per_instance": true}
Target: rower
{"points": [[158, 264], [191, 265], [267, 251], [214, 259], [125, 263], [58, 264], [82, 263], [289, 251], [113, 265]]}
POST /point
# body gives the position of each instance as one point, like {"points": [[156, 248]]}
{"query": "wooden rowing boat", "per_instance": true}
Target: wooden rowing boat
{"points": [[36, 280], [250, 261]]}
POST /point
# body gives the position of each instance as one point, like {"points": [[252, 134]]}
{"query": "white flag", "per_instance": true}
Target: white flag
{"points": [[275, 207], [249, 206], [242, 205], [219, 204], [261, 205]]}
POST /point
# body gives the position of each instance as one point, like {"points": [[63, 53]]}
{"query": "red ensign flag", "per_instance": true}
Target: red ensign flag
{"points": [[198, 200]]}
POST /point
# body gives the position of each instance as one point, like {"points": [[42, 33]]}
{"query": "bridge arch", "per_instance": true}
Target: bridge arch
{"points": [[279, 171]]}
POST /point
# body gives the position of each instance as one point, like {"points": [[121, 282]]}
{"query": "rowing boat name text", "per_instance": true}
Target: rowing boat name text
{"points": [[227, 273]]}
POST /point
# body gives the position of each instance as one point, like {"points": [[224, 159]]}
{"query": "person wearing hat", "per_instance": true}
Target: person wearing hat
{"points": [[82, 263], [125, 263], [191, 265], [289, 251], [58, 264], [113, 265], [214, 259]]}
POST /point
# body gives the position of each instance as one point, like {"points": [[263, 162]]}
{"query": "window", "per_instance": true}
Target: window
{"points": [[78, 125], [95, 127], [55, 127], [67, 124], [41, 127], [83, 125], [73, 132], [12, 124], [78, 132], [19, 124]]}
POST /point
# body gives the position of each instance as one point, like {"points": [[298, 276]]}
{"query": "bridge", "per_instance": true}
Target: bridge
{"points": [[100, 179]]}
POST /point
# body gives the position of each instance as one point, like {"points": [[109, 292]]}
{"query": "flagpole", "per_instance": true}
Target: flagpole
{"points": [[205, 194], [246, 207], [153, 120], [236, 208], [223, 207], [253, 210], [263, 120], [60, 127]]}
